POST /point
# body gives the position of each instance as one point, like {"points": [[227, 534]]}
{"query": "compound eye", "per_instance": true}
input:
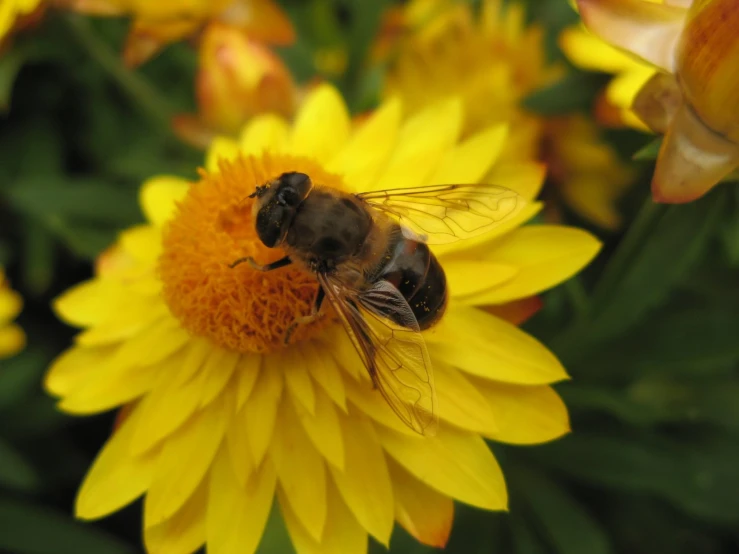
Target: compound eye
{"points": [[295, 180]]}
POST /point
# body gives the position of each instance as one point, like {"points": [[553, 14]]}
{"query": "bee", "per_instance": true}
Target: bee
{"points": [[370, 255]]}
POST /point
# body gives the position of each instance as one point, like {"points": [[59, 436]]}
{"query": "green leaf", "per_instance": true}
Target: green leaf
{"points": [[15, 472], [565, 523], [275, 539], [19, 376], [574, 92], [696, 474], [649, 152], [10, 64], [30, 529]]}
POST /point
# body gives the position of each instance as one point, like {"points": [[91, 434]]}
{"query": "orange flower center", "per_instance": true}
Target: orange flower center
{"points": [[241, 309]]}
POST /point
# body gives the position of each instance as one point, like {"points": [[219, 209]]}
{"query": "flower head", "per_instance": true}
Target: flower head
{"points": [[237, 79], [221, 416], [12, 338], [156, 24], [693, 100]]}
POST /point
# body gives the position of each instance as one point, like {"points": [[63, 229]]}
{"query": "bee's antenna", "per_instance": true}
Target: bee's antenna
{"points": [[260, 190]]}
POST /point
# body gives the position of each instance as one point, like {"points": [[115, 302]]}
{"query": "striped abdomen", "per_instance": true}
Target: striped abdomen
{"points": [[417, 274]]}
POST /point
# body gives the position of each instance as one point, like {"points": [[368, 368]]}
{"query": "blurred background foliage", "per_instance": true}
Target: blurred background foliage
{"points": [[649, 332]]}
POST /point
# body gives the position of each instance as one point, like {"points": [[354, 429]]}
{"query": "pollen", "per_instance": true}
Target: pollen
{"points": [[240, 308]]}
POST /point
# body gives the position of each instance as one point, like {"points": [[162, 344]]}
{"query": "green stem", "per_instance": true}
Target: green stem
{"points": [[144, 96]]}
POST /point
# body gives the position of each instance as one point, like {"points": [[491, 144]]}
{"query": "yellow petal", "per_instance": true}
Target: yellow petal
{"points": [[422, 141], [266, 132], [483, 345], [297, 379], [218, 368], [300, 472], [624, 88], [185, 458], [526, 178], [125, 322], [260, 411], [11, 303], [12, 340], [460, 403], [247, 373], [368, 148], [525, 415], [589, 198], [455, 463], [545, 255], [242, 460], [184, 531], [116, 477], [426, 514], [237, 514], [73, 367], [343, 534], [221, 148], [692, 160], [470, 160], [325, 372], [365, 482], [159, 196], [90, 302], [466, 277], [143, 242], [336, 341], [323, 429], [322, 125], [587, 51], [197, 351], [646, 29], [370, 402]]}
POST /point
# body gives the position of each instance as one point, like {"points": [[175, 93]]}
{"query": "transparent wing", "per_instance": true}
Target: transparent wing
{"points": [[441, 214], [385, 333]]}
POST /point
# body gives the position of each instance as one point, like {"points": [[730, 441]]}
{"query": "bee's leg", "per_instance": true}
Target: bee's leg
{"points": [[314, 314], [282, 262]]}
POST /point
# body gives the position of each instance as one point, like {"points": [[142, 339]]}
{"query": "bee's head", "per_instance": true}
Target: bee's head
{"points": [[276, 204]]}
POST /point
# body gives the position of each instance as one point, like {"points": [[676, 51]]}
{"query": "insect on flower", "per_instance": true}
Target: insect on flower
{"points": [[369, 254]]}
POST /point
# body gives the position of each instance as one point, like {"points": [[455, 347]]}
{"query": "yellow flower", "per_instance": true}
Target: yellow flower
{"points": [[221, 417], [494, 62], [589, 52], [693, 99], [12, 338], [13, 10], [237, 79], [158, 23]]}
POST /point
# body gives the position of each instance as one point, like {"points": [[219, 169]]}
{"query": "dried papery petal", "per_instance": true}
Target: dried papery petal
{"points": [[708, 64], [646, 29], [693, 159], [658, 102]]}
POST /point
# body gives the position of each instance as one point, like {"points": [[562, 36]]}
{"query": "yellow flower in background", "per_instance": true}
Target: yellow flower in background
{"points": [[693, 98], [12, 338], [494, 62], [237, 78], [589, 175], [589, 52], [221, 417], [11, 11], [157, 23]]}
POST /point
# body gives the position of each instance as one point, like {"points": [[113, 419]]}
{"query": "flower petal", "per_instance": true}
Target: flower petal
{"points": [[518, 311], [242, 460], [647, 29], [365, 482], [343, 535], [589, 52], [469, 161], [421, 144], [11, 303], [12, 340], [237, 514], [368, 148], [525, 415], [221, 148], [183, 462], [426, 514], [247, 373], [297, 379], [184, 531], [460, 403], [470, 277], [218, 369], [545, 255], [260, 412], [301, 471], [483, 345], [326, 373], [692, 160], [323, 429], [322, 125], [159, 196], [264, 133], [526, 178], [368, 400], [73, 367], [116, 477], [455, 463]]}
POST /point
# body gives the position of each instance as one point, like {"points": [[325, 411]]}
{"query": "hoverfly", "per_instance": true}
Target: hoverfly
{"points": [[370, 255]]}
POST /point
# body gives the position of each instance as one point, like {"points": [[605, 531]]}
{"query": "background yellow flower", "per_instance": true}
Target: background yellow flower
{"points": [[12, 338], [195, 351]]}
